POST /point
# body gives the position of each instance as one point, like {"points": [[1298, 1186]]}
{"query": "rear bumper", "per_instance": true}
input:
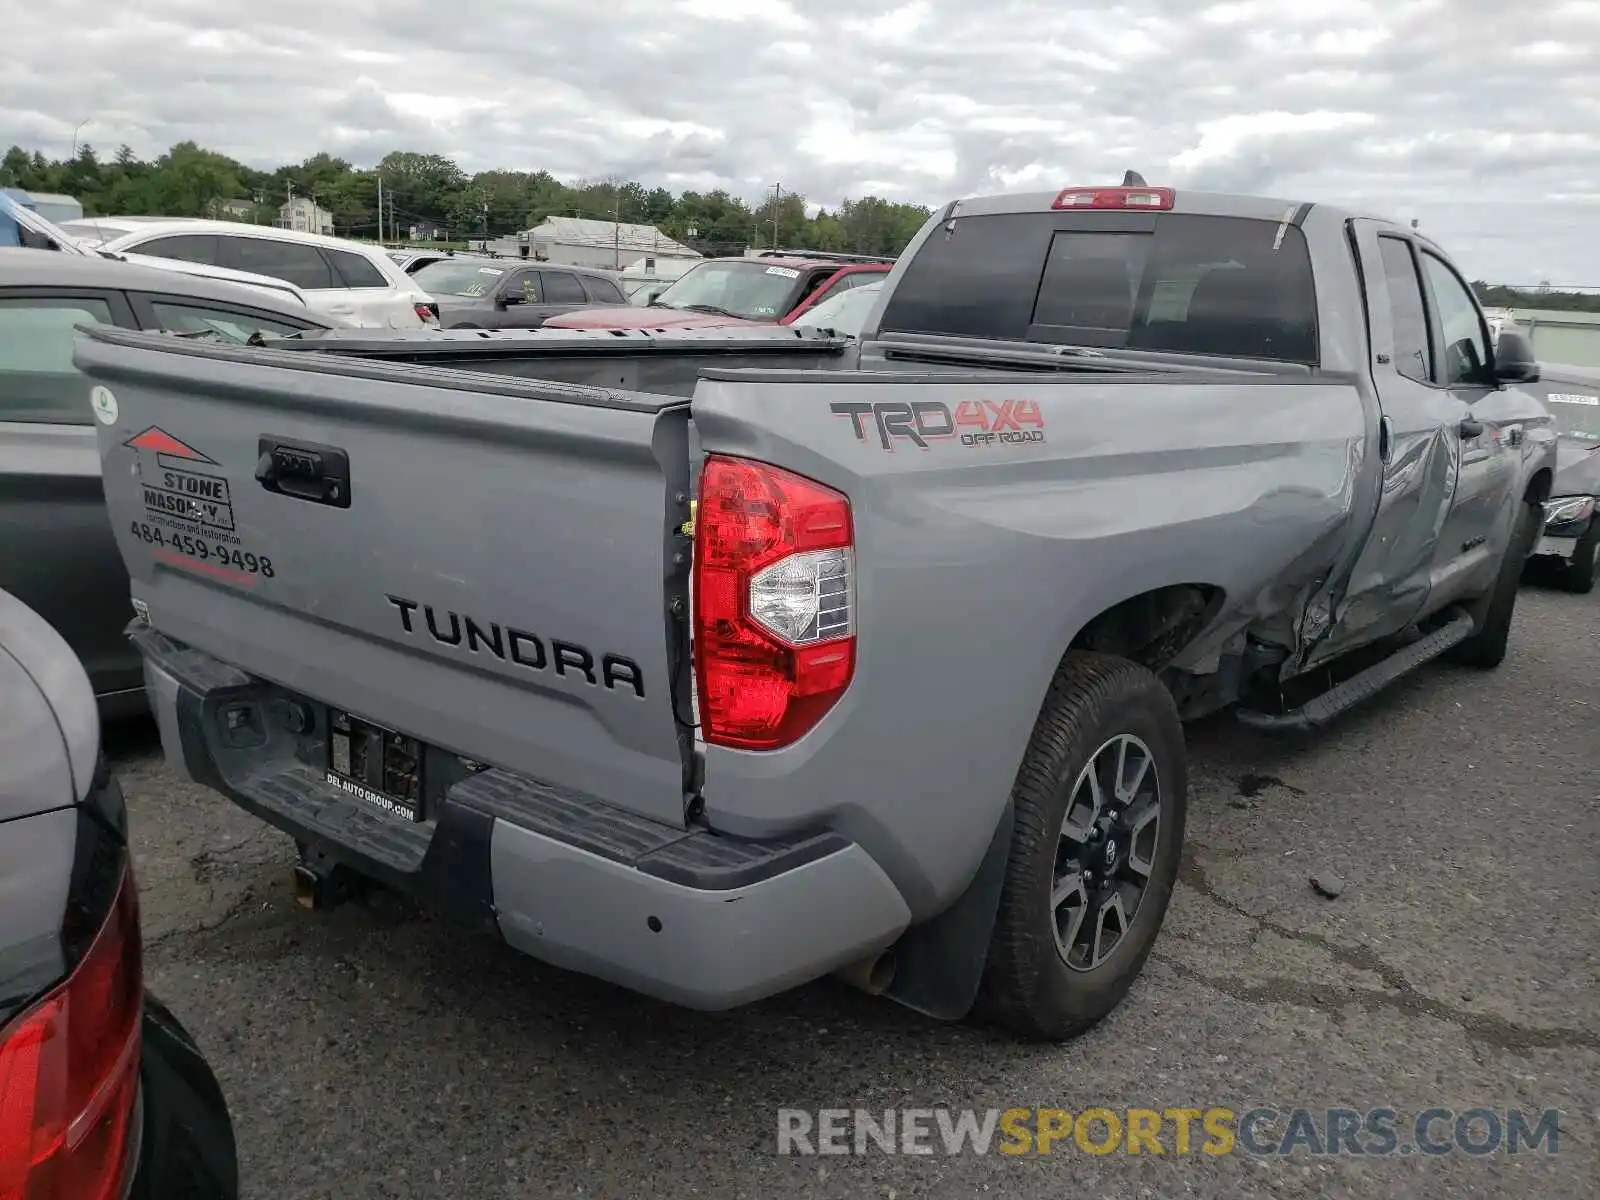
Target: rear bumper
{"points": [[688, 915]]}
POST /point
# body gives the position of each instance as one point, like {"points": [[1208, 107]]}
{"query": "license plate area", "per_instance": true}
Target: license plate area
{"points": [[376, 765]]}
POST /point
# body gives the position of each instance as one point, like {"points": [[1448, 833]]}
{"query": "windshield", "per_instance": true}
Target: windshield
{"points": [[466, 278], [844, 313], [91, 232], [740, 288], [26, 228]]}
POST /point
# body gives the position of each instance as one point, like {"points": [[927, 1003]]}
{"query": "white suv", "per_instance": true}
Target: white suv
{"points": [[353, 283]]}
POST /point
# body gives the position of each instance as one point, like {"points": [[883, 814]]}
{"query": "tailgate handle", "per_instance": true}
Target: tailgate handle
{"points": [[304, 471]]}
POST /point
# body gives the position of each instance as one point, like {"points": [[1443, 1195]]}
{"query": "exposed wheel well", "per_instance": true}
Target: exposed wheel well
{"points": [[1538, 487], [1152, 627]]}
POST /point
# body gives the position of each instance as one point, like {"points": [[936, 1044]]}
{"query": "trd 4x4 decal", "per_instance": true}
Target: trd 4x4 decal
{"points": [[924, 422]]}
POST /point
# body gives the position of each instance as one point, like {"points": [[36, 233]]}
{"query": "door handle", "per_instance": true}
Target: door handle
{"points": [[1471, 427], [304, 471]]}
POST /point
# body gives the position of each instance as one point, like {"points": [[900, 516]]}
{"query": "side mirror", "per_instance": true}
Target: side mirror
{"points": [[1513, 358], [507, 300]]}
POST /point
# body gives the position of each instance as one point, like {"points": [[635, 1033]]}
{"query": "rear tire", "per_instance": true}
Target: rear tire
{"points": [[1583, 571], [1102, 719], [1492, 611]]}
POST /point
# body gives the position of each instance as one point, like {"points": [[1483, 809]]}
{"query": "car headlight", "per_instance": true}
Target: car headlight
{"points": [[1565, 510]]}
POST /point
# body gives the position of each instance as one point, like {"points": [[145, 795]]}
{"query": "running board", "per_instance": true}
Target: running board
{"points": [[1320, 710]]}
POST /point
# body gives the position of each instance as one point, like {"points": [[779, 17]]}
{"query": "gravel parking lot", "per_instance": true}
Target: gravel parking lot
{"points": [[377, 1052]]}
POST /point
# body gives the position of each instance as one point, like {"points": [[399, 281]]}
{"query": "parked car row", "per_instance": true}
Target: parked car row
{"points": [[775, 287]]}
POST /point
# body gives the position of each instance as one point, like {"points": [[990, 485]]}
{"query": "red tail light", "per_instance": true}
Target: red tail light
{"points": [[774, 603], [1153, 198], [69, 1071], [428, 314]]}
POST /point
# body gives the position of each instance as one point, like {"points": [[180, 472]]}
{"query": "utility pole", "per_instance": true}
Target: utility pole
{"points": [[290, 205], [380, 208], [486, 223], [777, 197], [616, 227]]}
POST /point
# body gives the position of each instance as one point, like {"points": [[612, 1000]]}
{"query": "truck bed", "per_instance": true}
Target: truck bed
{"points": [[667, 363]]}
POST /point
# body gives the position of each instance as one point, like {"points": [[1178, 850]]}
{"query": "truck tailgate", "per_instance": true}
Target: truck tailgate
{"points": [[489, 565]]}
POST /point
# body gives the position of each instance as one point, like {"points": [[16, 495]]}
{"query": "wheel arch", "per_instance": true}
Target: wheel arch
{"points": [[1153, 626], [1539, 485]]}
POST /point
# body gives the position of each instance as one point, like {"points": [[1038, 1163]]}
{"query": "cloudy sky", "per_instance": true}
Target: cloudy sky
{"points": [[1478, 117]]}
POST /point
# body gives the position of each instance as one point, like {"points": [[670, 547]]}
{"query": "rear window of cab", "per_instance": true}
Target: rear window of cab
{"points": [[1234, 287]]}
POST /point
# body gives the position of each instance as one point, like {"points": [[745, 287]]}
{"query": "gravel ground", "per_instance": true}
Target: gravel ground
{"points": [[377, 1052]]}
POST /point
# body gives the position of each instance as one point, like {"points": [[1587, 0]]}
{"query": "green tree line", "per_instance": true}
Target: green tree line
{"points": [[432, 193]]}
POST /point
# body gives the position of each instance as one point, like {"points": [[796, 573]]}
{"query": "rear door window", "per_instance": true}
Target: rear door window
{"points": [[355, 271], [293, 262], [189, 247], [603, 291], [562, 287], [38, 382], [1173, 282]]}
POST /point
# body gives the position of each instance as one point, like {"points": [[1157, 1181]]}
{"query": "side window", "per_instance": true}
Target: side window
{"points": [[38, 382], [562, 287], [189, 247], [603, 291], [234, 325], [1466, 353], [293, 262], [1409, 319], [840, 285], [355, 271], [524, 284]]}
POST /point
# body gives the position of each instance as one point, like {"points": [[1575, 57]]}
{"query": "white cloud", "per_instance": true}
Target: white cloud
{"points": [[1466, 113]]}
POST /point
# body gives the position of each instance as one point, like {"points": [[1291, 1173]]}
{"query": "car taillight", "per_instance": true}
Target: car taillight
{"points": [[774, 603], [1155, 198], [428, 313], [69, 1071]]}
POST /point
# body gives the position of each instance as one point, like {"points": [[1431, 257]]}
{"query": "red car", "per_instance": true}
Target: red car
{"points": [[771, 288]]}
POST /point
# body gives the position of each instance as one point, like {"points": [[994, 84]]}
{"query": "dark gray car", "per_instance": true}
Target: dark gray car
{"points": [[57, 554], [1569, 549], [498, 293]]}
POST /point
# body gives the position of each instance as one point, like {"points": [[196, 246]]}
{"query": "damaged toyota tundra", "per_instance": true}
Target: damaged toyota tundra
{"points": [[874, 666]]}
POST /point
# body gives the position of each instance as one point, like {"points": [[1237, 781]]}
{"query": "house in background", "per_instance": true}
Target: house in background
{"points": [[609, 245], [232, 210], [306, 216]]}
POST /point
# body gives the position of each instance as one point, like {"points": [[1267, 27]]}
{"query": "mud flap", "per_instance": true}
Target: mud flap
{"points": [[939, 964]]}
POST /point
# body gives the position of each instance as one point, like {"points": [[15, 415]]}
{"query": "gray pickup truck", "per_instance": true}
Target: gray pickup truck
{"points": [[874, 665]]}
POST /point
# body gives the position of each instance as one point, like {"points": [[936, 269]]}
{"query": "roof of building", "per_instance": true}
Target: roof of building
{"points": [[604, 235], [52, 198]]}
